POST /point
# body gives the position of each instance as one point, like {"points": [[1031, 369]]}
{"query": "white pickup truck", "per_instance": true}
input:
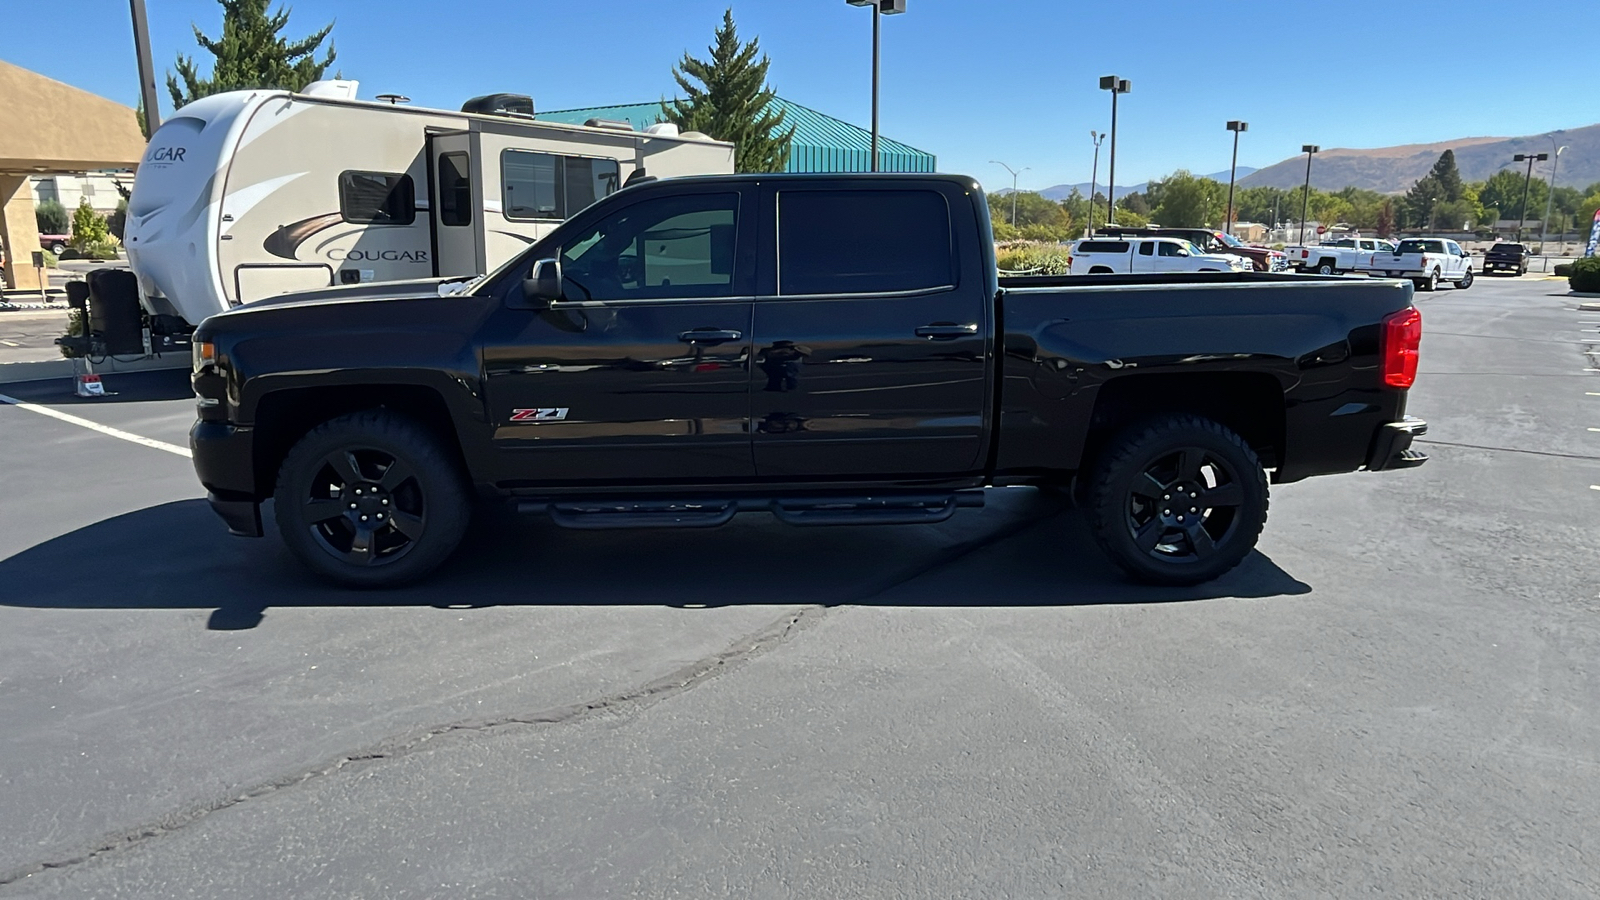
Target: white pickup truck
{"points": [[1108, 256], [1343, 255], [1426, 261]]}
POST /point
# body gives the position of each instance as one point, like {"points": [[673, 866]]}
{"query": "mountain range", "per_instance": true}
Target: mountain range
{"points": [[1063, 191], [1392, 170]]}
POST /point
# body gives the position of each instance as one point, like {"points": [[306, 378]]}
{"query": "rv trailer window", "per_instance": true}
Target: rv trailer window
{"points": [[546, 186], [377, 198], [455, 190]]}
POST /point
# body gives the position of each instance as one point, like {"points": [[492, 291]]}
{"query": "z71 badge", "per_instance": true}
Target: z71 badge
{"points": [[542, 414]]}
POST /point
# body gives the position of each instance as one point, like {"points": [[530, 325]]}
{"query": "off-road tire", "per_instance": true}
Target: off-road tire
{"points": [[1124, 489], [429, 493]]}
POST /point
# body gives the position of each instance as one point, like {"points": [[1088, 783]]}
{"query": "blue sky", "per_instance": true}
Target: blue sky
{"points": [[970, 80]]}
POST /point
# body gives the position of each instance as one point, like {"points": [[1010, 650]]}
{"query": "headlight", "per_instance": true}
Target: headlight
{"points": [[205, 355]]}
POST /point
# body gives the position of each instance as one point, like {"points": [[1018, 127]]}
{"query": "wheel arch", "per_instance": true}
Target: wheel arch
{"points": [[283, 416], [1249, 403]]}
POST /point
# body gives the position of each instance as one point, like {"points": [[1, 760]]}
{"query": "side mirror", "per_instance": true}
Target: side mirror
{"points": [[543, 287], [1183, 253]]}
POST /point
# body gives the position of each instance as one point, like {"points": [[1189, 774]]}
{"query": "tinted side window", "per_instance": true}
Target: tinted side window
{"points": [[455, 190], [1168, 248], [1148, 248], [669, 247], [862, 242], [1103, 247], [377, 198]]}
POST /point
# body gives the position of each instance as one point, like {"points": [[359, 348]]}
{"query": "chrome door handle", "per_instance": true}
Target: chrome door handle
{"points": [[710, 336], [946, 331]]}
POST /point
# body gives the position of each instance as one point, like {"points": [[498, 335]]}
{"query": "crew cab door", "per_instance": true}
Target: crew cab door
{"points": [[641, 371], [872, 334], [1144, 258]]}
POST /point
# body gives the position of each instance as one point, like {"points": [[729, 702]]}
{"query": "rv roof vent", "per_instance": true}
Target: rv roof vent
{"points": [[500, 105], [696, 136], [665, 129], [332, 88], [613, 124]]}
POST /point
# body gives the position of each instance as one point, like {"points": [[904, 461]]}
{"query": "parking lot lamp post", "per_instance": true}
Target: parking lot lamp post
{"points": [[1233, 170], [147, 72], [1544, 224], [1116, 86], [1094, 176], [1305, 202], [1014, 174], [880, 8], [1526, 183]]}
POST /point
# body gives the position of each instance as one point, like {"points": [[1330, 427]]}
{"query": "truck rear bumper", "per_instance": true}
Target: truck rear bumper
{"points": [[1391, 448]]}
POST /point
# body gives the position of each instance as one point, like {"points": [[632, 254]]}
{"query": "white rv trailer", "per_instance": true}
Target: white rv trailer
{"points": [[249, 194]]}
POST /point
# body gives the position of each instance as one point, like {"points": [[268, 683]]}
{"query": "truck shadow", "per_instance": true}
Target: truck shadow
{"points": [[1031, 553]]}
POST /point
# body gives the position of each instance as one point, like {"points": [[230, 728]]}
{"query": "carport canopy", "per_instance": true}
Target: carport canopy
{"points": [[50, 128]]}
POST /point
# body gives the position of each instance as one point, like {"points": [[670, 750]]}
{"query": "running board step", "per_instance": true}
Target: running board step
{"points": [[858, 509]]}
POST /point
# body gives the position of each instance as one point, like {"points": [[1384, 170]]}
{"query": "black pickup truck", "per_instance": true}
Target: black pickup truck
{"points": [[832, 350]]}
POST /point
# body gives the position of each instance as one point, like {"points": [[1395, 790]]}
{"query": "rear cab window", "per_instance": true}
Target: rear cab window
{"points": [[1119, 247], [864, 242]]}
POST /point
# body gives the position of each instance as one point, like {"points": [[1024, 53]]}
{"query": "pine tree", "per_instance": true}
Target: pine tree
{"points": [[732, 102], [250, 54], [88, 227], [1448, 177]]}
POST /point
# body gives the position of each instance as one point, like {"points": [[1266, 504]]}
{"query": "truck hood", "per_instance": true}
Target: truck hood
{"points": [[413, 289]]}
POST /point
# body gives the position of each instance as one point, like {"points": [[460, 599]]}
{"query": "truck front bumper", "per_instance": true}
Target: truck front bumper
{"points": [[223, 460], [1391, 447]]}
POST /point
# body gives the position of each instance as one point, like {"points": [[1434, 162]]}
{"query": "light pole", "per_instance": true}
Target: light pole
{"points": [[1116, 86], [1305, 203], [1233, 170], [1094, 175], [1014, 174], [147, 72], [879, 8], [1527, 182], [1544, 224]]}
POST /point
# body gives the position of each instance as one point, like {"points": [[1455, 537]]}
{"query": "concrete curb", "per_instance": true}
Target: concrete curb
{"points": [[63, 368]]}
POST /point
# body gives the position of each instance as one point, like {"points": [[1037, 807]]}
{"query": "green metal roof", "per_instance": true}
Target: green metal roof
{"points": [[821, 142]]}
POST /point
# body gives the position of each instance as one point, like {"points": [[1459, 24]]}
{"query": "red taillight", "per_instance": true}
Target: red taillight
{"points": [[1402, 338]]}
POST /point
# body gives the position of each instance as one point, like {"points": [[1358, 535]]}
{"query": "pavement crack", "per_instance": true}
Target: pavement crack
{"points": [[734, 656], [1508, 450]]}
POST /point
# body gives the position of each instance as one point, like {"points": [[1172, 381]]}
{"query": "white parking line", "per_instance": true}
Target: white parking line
{"points": [[95, 426]]}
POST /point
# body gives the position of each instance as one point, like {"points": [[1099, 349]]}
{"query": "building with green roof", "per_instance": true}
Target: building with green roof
{"points": [[821, 142]]}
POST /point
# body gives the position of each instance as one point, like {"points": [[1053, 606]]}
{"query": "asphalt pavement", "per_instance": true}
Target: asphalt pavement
{"points": [[1395, 695]]}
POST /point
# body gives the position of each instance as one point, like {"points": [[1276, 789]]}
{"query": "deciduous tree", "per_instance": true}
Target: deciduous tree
{"points": [[727, 97]]}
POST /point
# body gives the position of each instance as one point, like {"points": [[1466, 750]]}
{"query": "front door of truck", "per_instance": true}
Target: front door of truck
{"points": [[871, 342], [641, 371], [456, 201]]}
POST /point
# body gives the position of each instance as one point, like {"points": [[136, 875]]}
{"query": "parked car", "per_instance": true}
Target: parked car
{"points": [[55, 243], [1334, 257], [1426, 262], [648, 364], [1506, 256], [1105, 256], [1209, 240]]}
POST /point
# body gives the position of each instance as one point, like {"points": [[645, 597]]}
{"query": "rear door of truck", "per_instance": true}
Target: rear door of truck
{"points": [[872, 332]]}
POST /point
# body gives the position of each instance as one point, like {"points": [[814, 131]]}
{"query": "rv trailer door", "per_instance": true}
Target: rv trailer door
{"points": [[456, 194]]}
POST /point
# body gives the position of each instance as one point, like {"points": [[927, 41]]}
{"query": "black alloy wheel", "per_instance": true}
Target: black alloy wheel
{"points": [[1179, 500], [365, 506], [371, 499]]}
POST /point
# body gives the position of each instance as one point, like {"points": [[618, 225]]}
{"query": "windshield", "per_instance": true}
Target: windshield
{"points": [[1229, 240], [1191, 247]]}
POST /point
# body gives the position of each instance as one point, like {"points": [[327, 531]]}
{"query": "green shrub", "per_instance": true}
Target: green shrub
{"points": [[1034, 259], [50, 261], [1563, 270], [102, 250], [117, 221], [52, 217], [88, 228], [1585, 275]]}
